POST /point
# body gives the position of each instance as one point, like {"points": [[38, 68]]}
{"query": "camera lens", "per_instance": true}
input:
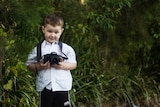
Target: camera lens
{"points": [[54, 59]]}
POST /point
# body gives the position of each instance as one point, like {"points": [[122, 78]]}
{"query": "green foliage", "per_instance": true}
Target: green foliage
{"points": [[18, 88], [19, 32]]}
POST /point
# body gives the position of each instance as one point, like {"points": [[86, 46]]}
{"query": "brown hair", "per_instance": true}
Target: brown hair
{"points": [[54, 20]]}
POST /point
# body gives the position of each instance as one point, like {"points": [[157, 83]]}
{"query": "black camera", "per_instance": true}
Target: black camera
{"points": [[53, 58]]}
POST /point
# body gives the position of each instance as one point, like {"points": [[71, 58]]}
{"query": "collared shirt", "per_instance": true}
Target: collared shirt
{"points": [[55, 79]]}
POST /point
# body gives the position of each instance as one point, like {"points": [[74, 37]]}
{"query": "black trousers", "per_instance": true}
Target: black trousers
{"points": [[48, 98]]}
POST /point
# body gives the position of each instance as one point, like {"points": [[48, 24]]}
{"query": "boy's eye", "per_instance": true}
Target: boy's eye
{"points": [[56, 32], [51, 31]]}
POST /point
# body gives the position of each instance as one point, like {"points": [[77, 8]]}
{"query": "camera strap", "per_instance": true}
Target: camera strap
{"points": [[60, 46], [39, 55]]}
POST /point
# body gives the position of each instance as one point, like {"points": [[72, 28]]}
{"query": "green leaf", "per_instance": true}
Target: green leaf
{"points": [[8, 86]]}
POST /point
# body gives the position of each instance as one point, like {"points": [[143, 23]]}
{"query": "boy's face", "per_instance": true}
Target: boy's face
{"points": [[52, 33]]}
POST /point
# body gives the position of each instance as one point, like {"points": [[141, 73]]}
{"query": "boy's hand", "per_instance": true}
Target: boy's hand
{"points": [[65, 66], [44, 65], [59, 65]]}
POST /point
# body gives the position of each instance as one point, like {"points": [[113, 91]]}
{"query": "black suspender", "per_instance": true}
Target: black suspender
{"points": [[39, 55]]}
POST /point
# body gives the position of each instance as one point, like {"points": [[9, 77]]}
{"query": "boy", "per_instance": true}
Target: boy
{"points": [[53, 81]]}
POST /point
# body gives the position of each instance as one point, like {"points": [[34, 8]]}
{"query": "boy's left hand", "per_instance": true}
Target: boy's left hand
{"points": [[59, 65]]}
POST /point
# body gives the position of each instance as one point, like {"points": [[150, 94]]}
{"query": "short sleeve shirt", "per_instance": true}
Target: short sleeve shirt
{"points": [[57, 79]]}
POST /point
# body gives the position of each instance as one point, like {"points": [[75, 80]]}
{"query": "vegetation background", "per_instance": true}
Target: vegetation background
{"points": [[117, 43]]}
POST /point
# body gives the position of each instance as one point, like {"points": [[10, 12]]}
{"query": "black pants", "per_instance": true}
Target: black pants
{"points": [[54, 99]]}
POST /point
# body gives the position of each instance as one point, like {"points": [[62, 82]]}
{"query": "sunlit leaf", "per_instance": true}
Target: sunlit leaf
{"points": [[8, 86]]}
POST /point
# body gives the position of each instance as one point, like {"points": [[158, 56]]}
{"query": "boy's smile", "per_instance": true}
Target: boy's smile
{"points": [[52, 33]]}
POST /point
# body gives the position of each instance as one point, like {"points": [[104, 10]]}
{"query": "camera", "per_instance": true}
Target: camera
{"points": [[53, 58]]}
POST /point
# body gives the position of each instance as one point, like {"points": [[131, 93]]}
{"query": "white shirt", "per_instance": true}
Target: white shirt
{"points": [[55, 79]]}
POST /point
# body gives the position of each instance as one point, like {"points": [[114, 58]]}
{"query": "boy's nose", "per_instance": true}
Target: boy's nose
{"points": [[53, 34]]}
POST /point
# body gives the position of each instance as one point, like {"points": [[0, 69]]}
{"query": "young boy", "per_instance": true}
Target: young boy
{"points": [[53, 81]]}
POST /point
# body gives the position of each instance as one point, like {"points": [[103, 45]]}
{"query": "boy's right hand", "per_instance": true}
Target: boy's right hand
{"points": [[44, 65]]}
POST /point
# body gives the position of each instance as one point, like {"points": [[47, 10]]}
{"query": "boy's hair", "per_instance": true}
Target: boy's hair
{"points": [[54, 19]]}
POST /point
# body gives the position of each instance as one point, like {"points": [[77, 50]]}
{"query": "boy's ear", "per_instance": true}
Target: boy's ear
{"points": [[42, 28], [62, 30]]}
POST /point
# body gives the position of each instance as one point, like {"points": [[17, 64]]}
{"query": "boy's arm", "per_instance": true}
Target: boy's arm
{"points": [[65, 66], [35, 67], [32, 67]]}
